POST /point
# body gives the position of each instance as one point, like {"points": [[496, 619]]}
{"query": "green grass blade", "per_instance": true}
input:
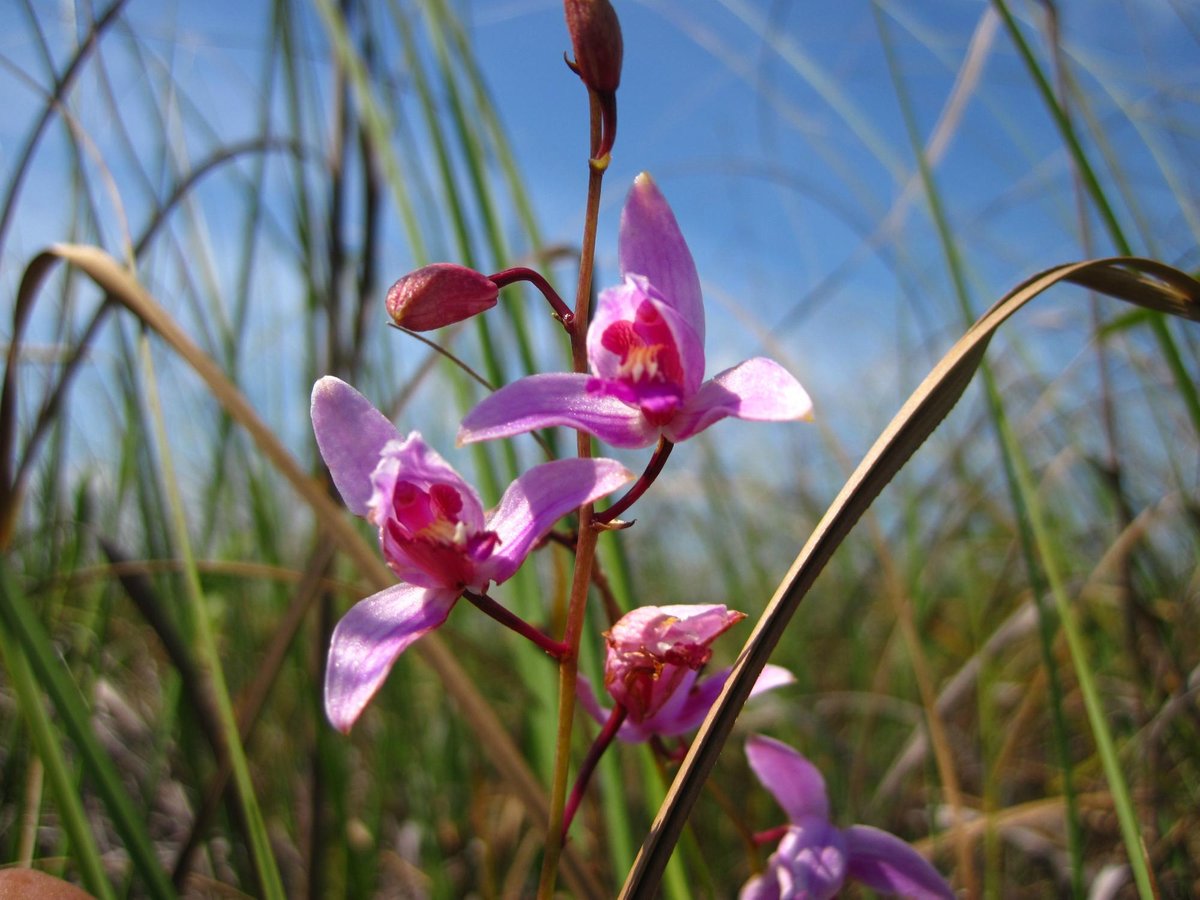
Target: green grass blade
{"points": [[1144, 282], [266, 869], [35, 648], [1183, 379]]}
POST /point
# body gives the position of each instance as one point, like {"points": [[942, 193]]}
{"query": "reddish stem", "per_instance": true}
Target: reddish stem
{"points": [[603, 739], [653, 468], [509, 619], [771, 835], [520, 273]]}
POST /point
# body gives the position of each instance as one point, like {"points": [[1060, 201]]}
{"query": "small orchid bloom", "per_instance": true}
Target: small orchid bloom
{"points": [[814, 857], [651, 669], [646, 353], [433, 532]]}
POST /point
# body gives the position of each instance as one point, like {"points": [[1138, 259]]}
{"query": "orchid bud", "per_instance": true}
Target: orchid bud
{"points": [[596, 39], [652, 648], [438, 295]]}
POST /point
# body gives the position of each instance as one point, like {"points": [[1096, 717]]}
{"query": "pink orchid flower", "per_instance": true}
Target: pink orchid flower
{"points": [[815, 857], [646, 352], [651, 669], [433, 532]]}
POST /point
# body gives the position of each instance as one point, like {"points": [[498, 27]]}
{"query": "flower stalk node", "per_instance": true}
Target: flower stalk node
{"points": [[613, 524]]}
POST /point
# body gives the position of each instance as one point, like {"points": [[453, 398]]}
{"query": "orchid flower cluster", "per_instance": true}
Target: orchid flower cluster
{"points": [[638, 381], [647, 357]]}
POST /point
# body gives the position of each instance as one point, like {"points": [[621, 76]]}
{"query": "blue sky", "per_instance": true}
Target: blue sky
{"points": [[774, 129]]}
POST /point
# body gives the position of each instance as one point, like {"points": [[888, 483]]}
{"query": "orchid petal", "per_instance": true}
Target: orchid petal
{"points": [[770, 678], [758, 390], [883, 862], [760, 887], [412, 460], [796, 783], [810, 861], [540, 401], [621, 304], [682, 711], [660, 630], [650, 243], [368, 639], [538, 499], [351, 434], [691, 703], [629, 732], [586, 696]]}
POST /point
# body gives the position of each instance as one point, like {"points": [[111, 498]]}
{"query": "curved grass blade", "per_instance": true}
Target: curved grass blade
{"points": [[1143, 282]]}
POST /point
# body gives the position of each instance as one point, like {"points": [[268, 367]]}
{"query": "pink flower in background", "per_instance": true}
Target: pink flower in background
{"points": [[433, 532], [646, 352], [815, 857], [652, 664]]}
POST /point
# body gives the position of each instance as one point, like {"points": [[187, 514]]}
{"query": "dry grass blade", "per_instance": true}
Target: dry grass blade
{"points": [[1143, 282], [121, 287]]}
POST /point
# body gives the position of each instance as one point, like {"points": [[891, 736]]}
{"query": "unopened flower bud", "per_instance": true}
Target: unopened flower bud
{"points": [[438, 295], [596, 38]]}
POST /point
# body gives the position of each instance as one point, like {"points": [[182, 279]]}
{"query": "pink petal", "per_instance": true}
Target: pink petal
{"points": [[885, 863], [660, 630], [760, 887], [758, 389], [620, 304], [684, 710], [587, 699], [796, 783], [351, 434], [810, 861], [368, 639], [414, 461], [687, 709], [651, 244], [538, 499], [541, 401], [770, 678]]}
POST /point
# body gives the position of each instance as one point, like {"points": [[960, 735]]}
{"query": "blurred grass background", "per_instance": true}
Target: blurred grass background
{"points": [[857, 185]]}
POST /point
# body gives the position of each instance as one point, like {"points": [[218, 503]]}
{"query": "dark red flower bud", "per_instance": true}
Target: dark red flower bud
{"points": [[438, 295], [596, 38]]}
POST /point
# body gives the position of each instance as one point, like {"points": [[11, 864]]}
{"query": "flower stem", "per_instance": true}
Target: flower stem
{"points": [[509, 619], [653, 468], [603, 739], [771, 835], [585, 549], [561, 311]]}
